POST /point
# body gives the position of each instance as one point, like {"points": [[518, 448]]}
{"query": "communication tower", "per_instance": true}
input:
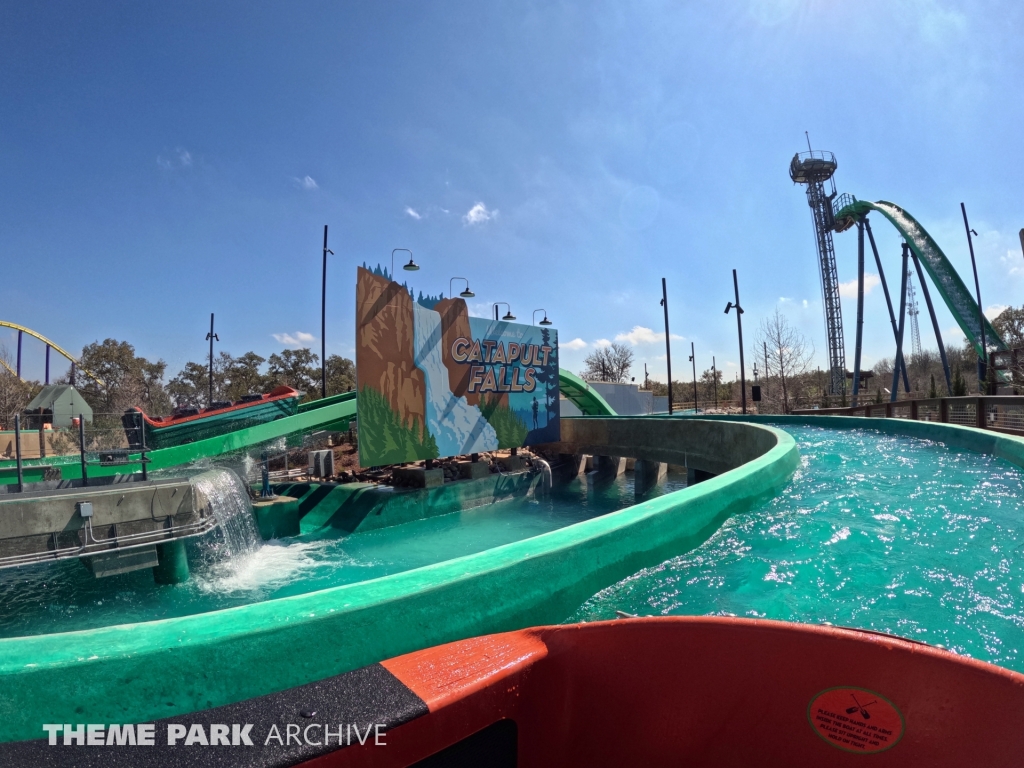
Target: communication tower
{"points": [[912, 312], [814, 168]]}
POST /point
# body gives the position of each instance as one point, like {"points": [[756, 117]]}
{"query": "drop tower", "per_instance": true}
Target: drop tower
{"points": [[815, 169]]}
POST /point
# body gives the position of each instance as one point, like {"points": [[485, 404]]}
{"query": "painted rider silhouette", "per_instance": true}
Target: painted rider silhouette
{"points": [[535, 410]]}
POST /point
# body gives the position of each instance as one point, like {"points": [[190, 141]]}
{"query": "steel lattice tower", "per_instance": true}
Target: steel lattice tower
{"points": [[814, 168], [912, 312]]}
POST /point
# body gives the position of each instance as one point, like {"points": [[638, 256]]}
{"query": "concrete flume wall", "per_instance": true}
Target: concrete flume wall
{"points": [[135, 673]]}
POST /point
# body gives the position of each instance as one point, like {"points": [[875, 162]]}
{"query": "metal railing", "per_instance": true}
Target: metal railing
{"points": [[999, 413]]}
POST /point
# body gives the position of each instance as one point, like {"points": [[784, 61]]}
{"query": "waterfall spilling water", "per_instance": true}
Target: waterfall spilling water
{"points": [[457, 426], [227, 498]]}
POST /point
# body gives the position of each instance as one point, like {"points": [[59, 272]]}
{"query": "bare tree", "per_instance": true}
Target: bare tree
{"points": [[610, 363], [788, 354], [15, 394]]}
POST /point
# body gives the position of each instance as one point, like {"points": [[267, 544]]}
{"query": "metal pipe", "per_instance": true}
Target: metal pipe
{"points": [[47, 380], [739, 329], [211, 336], [983, 357], [694, 361], [81, 441], [935, 322], [714, 376], [860, 312], [323, 321], [20, 334], [899, 333], [142, 442], [766, 368], [17, 451], [888, 300], [668, 345]]}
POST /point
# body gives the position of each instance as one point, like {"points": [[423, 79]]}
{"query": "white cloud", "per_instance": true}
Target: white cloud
{"points": [[413, 213], [806, 304], [180, 158], [641, 335], [576, 343], [602, 343], [785, 300], [478, 214], [848, 290], [300, 339], [992, 312], [306, 182]]}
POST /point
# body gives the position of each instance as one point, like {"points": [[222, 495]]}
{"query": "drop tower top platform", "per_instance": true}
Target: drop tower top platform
{"points": [[812, 167]]}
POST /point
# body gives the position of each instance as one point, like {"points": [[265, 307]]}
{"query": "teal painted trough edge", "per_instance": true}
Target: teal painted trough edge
{"points": [[1000, 445], [140, 672]]}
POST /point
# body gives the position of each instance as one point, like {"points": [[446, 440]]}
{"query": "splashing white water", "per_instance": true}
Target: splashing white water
{"points": [[228, 500]]}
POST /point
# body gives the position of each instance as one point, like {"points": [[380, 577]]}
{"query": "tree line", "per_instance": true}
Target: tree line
{"points": [[131, 380]]}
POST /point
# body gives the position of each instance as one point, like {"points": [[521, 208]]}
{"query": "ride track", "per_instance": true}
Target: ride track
{"points": [[957, 296], [51, 345]]}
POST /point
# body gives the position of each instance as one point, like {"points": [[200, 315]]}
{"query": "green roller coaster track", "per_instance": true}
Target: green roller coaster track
{"points": [[945, 278], [329, 414]]}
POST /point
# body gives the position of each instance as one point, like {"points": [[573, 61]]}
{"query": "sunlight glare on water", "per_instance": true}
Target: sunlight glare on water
{"points": [[894, 534]]}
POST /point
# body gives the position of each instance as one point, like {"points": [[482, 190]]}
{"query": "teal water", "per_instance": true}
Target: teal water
{"points": [[894, 534], [228, 570]]}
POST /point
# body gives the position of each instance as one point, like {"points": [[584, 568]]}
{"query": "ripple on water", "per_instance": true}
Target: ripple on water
{"points": [[882, 532]]}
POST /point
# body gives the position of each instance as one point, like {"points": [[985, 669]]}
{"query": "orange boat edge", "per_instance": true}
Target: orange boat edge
{"points": [[647, 691]]}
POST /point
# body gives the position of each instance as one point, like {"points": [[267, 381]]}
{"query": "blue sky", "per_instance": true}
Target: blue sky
{"points": [[161, 161]]}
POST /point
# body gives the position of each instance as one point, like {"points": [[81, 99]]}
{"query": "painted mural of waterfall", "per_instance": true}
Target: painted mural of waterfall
{"points": [[457, 426]]}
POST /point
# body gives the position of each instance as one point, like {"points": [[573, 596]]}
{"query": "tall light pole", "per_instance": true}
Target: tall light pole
{"points": [[668, 346], [545, 321], [714, 377], [983, 357], [739, 328], [693, 359], [323, 321], [211, 337]]}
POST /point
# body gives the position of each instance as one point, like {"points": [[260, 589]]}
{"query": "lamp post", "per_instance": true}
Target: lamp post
{"points": [[323, 321], [714, 376], [668, 346], [466, 294], [509, 317], [412, 266], [983, 357], [693, 359], [211, 337], [545, 321], [739, 328]]}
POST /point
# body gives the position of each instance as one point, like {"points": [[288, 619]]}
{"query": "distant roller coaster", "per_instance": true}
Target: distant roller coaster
{"points": [[22, 330]]}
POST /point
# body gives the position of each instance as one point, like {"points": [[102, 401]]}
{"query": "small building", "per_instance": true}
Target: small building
{"points": [[57, 404]]}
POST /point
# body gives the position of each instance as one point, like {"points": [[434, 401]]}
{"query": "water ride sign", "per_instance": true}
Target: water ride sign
{"points": [[435, 382]]}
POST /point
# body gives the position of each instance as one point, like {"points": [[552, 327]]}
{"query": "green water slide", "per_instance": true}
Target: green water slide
{"points": [[582, 395], [328, 414], [331, 413], [945, 278]]}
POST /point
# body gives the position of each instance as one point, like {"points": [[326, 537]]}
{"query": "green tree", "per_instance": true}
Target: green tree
{"points": [[128, 379], [244, 377], [932, 391], [191, 387], [341, 375], [959, 385], [15, 394], [296, 368]]}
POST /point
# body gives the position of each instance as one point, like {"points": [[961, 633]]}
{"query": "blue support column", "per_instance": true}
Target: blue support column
{"points": [[899, 333], [20, 334], [47, 382], [860, 311]]}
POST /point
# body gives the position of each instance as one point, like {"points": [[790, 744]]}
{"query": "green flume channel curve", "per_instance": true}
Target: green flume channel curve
{"points": [[136, 673], [945, 278], [331, 413]]}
